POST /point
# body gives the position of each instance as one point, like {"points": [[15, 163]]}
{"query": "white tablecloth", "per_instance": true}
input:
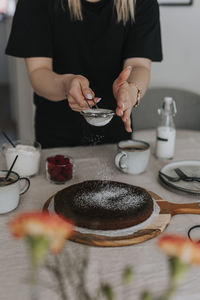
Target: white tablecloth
{"points": [[150, 265]]}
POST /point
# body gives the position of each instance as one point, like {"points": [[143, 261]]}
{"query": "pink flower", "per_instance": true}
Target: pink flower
{"points": [[42, 224], [181, 247]]}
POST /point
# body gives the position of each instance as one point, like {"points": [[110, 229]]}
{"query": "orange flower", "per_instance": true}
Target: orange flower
{"points": [[51, 226], [181, 247]]}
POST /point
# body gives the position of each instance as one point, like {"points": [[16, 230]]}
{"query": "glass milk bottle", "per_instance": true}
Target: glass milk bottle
{"points": [[166, 132]]}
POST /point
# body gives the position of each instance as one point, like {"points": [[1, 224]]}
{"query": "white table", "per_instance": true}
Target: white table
{"points": [[150, 265]]}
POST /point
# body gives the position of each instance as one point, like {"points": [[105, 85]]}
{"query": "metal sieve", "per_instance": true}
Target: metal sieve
{"points": [[98, 116]]}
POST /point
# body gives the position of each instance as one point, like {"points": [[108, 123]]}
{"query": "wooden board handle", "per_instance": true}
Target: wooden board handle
{"points": [[175, 209]]}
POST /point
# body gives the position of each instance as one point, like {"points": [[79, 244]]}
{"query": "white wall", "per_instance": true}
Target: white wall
{"points": [[181, 48], [21, 95], [21, 99], [3, 58]]}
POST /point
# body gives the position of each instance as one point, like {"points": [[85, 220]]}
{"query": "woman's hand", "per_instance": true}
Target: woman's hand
{"points": [[77, 90], [125, 95]]}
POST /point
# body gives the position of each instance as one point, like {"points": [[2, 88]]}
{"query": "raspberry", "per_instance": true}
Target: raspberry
{"points": [[51, 159], [59, 159], [69, 166], [50, 166], [67, 173], [67, 160], [55, 172], [61, 162], [60, 178]]}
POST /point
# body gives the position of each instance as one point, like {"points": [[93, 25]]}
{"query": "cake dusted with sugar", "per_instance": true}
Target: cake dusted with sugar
{"points": [[104, 205]]}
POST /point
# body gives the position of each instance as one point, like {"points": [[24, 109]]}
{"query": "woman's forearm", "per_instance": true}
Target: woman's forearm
{"points": [[140, 76], [50, 85], [56, 87], [141, 72]]}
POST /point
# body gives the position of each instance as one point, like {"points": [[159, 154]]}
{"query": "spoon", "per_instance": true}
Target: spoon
{"points": [[10, 170], [8, 139]]}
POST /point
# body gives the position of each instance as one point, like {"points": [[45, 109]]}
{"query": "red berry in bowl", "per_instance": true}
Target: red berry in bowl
{"points": [[55, 171], [61, 178], [67, 173], [68, 167], [59, 159], [50, 166], [61, 162], [67, 160], [51, 159]]}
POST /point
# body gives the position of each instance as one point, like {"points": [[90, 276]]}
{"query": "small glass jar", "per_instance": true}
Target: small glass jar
{"points": [[59, 169]]}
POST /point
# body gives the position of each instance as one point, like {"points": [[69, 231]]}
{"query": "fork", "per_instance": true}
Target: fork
{"points": [[170, 178], [184, 177]]}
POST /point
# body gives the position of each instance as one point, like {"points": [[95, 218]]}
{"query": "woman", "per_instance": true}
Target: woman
{"points": [[75, 50]]}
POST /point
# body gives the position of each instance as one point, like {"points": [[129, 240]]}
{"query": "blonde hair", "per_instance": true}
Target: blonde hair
{"points": [[125, 9]]}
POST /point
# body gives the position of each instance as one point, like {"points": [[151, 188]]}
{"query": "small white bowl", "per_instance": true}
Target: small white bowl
{"points": [[98, 116], [28, 161]]}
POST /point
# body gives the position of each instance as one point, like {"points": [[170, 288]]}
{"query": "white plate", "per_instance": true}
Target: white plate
{"points": [[190, 168]]}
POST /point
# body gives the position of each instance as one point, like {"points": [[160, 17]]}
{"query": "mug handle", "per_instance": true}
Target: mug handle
{"points": [[118, 160], [26, 186]]}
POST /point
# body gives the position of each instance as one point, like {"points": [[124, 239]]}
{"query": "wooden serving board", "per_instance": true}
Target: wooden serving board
{"points": [[159, 224]]}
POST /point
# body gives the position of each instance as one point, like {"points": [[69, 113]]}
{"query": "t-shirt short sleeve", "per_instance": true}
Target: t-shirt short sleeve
{"points": [[144, 34], [31, 30]]}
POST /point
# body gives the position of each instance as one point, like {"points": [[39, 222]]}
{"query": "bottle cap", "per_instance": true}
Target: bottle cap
{"points": [[168, 105], [168, 100]]}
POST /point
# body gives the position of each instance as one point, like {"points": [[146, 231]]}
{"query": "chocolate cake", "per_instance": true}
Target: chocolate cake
{"points": [[104, 205]]}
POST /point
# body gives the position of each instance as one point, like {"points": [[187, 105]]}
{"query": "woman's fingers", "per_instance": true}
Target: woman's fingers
{"points": [[127, 120], [123, 76], [75, 96], [79, 92], [122, 98], [119, 112], [73, 104], [76, 107], [86, 90], [128, 125], [125, 105]]}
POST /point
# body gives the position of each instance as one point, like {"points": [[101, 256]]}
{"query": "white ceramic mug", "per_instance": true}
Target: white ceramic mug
{"points": [[10, 193], [133, 156]]}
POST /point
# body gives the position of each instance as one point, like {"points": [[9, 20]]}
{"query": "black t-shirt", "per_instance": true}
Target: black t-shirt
{"points": [[95, 48]]}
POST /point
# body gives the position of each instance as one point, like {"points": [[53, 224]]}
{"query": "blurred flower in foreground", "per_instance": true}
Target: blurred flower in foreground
{"points": [[43, 231], [36, 224], [182, 253], [177, 246]]}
